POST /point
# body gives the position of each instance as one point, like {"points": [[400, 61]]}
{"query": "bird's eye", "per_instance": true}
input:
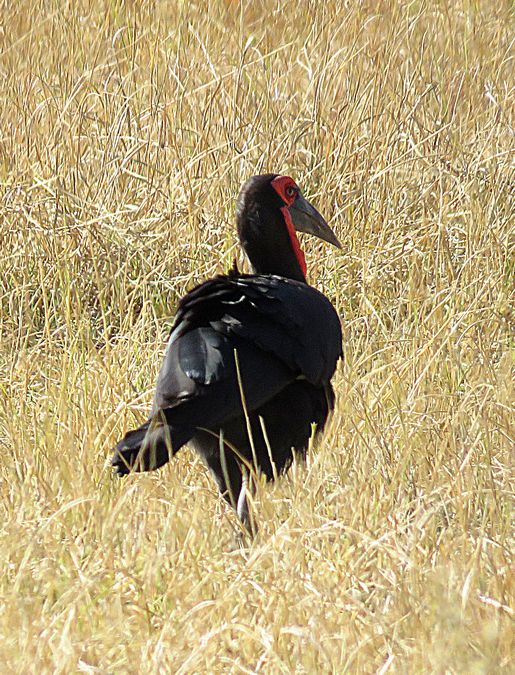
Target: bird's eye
{"points": [[290, 191]]}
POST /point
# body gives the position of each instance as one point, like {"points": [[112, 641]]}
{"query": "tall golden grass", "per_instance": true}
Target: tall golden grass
{"points": [[126, 131]]}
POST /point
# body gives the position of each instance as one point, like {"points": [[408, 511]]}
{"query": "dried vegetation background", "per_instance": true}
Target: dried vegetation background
{"points": [[126, 129]]}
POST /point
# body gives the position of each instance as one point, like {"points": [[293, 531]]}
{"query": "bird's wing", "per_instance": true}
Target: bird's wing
{"points": [[279, 330], [291, 320]]}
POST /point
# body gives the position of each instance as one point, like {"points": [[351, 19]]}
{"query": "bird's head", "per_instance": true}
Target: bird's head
{"points": [[270, 210]]}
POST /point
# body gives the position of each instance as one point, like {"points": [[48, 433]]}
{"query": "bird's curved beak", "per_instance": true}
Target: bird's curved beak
{"points": [[306, 218]]}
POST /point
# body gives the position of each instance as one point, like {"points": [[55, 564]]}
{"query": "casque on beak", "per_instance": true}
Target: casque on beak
{"points": [[307, 219]]}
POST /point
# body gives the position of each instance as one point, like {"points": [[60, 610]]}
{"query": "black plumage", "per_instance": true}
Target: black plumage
{"points": [[250, 357]]}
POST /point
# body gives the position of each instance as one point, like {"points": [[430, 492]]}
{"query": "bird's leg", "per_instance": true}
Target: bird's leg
{"points": [[237, 484], [242, 507], [232, 479]]}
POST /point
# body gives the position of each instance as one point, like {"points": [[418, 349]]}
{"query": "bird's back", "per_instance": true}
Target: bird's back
{"points": [[276, 330]]}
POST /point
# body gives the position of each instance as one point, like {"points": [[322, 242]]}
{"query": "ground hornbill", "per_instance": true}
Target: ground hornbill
{"points": [[246, 375]]}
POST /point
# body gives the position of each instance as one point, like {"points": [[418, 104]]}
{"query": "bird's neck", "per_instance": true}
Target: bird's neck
{"points": [[295, 244], [270, 242]]}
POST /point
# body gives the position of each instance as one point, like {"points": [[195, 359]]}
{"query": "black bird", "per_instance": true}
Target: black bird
{"points": [[250, 357]]}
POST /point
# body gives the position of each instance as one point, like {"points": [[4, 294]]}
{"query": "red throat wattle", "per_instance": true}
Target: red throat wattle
{"points": [[287, 189], [299, 253]]}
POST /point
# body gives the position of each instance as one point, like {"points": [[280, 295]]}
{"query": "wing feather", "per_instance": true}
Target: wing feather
{"points": [[281, 329]]}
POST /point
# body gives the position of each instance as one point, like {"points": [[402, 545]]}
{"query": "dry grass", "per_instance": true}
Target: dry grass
{"points": [[126, 131]]}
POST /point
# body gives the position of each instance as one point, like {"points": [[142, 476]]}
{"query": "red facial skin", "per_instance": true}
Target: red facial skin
{"points": [[288, 190]]}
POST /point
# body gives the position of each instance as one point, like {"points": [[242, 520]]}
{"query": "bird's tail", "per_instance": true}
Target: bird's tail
{"points": [[148, 447]]}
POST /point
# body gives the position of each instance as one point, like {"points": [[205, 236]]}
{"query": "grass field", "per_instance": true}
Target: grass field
{"points": [[126, 130]]}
